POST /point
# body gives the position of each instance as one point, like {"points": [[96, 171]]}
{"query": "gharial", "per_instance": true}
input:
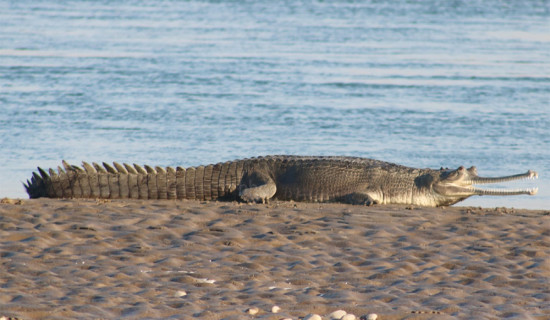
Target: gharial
{"points": [[300, 178]]}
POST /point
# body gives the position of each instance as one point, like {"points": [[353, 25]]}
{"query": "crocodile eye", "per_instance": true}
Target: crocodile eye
{"points": [[452, 174]]}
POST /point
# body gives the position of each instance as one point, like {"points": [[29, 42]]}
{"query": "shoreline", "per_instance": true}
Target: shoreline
{"points": [[85, 258]]}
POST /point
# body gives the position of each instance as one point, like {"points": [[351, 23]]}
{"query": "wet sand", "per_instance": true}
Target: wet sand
{"points": [[66, 259]]}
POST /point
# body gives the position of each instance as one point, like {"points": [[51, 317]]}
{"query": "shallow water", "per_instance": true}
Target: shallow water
{"points": [[429, 84]]}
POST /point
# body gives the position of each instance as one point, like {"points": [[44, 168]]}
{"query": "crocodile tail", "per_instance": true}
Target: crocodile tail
{"points": [[125, 181]]}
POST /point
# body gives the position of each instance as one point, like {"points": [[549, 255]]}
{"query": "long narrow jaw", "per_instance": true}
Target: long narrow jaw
{"points": [[504, 192], [459, 184]]}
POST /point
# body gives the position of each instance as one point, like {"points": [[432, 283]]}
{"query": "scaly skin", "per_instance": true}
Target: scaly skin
{"points": [[299, 178]]}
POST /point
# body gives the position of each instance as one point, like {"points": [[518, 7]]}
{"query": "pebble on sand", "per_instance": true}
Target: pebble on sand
{"points": [[348, 316], [275, 309], [180, 293], [252, 310], [313, 316], [10, 201], [337, 315], [372, 316]]}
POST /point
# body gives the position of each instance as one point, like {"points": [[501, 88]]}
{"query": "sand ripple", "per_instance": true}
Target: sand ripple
{"points": [[183, 260]]}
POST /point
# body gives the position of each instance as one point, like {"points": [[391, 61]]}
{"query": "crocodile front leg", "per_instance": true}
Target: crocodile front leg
{"points": [[359, 199]]}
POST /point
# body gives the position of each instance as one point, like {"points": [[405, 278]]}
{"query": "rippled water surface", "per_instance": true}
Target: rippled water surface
{"points": [[430, 84]]}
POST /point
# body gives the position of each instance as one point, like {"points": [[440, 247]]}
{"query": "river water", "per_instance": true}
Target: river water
{"points": [[424, 84]]}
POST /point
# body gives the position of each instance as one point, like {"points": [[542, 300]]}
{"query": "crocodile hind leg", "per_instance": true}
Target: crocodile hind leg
{"points": [[257, 187]]}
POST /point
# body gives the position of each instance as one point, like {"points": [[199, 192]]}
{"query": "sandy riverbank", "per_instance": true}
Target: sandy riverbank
{"points": [[64, 259]]}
